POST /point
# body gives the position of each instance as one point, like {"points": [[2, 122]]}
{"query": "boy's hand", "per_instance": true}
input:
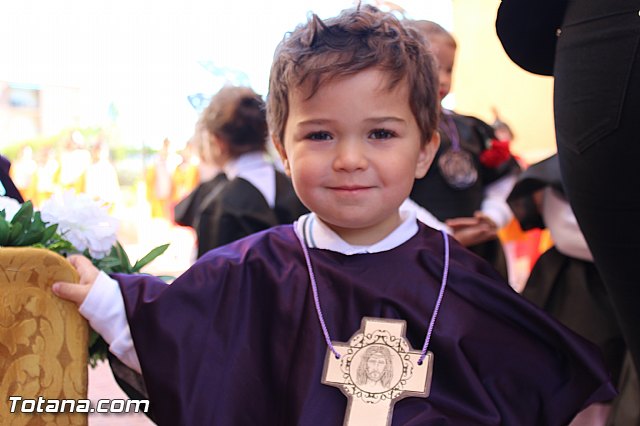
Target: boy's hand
{"points": [[77, 292]]}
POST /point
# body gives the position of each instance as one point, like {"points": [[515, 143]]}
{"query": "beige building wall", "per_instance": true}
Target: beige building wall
{"points": [[484, 77]]}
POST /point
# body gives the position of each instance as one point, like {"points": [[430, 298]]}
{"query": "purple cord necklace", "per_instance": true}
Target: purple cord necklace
{"points": [[449, 127], [455, 164], [316, 297]]}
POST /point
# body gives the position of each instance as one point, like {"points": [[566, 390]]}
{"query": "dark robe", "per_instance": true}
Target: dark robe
{"points": [[536, 177], [446, 202], [593, 50], [240, 209], [187, 212], [568, 288], [223, 211], [235, 340], [572, 291], [7, 187]]}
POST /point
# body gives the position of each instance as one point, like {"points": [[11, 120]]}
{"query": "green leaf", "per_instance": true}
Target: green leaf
{"points": [[14, 233], [48, 233], [166, 278], [124, 259], [59, 245], [37, 220], [109, 261], [93, 337], [108, 264], [98, 348], [32, 237], [24, 215], [149, 257], [4, 232]]}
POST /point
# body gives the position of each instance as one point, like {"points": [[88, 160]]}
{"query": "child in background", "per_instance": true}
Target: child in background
{"points": [[564, 280], [185, 176], [473, 172], [242, 337], [254, 196], [522, 248]]}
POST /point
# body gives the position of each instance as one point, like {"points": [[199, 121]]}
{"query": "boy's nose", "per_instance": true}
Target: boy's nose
{"points": [[350, 156]]}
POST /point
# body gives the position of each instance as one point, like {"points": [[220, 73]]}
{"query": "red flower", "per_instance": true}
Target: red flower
{"points": [[497, 153]]}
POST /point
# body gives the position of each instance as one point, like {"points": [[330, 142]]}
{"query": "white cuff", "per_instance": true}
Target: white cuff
{"points": [[563, 225], [499, 212], [495, 204], [104, 309]]}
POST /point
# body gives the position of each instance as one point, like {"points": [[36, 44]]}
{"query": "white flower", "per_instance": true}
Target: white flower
{"points": [[82, 221], [10, 207]]}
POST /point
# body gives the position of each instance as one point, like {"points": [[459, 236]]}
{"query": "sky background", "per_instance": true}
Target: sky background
{"points": [[145, 57]]}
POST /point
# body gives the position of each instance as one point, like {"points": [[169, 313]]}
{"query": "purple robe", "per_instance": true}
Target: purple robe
{"points": [[235, 340]]}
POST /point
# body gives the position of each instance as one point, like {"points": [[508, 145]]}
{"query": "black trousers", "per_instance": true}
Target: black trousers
{"points": [[597, 111]]}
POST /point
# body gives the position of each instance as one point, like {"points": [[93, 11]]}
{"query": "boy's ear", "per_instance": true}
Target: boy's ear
{"points": [[283, 154], [427, 154]]}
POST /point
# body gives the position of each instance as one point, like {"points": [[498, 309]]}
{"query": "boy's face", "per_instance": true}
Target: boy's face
{"points": [[353, 151], [444, 54]]}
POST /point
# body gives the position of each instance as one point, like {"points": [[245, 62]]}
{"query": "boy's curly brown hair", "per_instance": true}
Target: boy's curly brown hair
{"points": [[357, 39]]}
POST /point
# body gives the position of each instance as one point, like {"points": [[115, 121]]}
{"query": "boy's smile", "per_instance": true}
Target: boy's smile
{"points": [[353, 151]]}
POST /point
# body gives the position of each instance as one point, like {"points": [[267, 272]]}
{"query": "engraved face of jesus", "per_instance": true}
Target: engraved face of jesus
{"points": [[376, 364], [376, 368]]}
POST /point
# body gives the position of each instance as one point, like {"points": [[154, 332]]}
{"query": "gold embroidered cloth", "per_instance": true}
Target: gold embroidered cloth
{"points": [[43, 339]]}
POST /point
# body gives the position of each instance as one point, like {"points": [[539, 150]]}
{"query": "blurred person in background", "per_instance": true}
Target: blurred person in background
{"points": [[564, 280], [249, 194], [159, 181], [47, 174], [23, 173], [592, 49], [7, 187], [74, 160], [185, 176], [472, 172], [101, 178]]}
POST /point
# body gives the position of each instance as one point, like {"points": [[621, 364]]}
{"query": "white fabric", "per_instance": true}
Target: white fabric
{"points": [[255, 168], [424, 215], [495, 204], [104, 309], [104, 305], [319, 235], [563, 226]]}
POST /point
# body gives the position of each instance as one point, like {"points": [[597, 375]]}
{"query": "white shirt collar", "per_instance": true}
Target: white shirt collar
{"points": [[245, 164], [319, 235], [255, 168]]}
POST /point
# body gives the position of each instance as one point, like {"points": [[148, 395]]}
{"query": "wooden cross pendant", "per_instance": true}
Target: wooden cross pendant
{"points": [[377, 368]]}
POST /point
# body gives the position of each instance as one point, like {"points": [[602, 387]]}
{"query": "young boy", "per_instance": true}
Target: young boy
{"points": [[241, 337]]}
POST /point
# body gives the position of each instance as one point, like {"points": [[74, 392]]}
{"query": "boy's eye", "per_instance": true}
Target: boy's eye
{"points": [[382, 134], [318, 136]]}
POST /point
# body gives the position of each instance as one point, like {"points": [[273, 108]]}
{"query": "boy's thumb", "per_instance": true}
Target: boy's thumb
{"points": [[75, 293]]}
